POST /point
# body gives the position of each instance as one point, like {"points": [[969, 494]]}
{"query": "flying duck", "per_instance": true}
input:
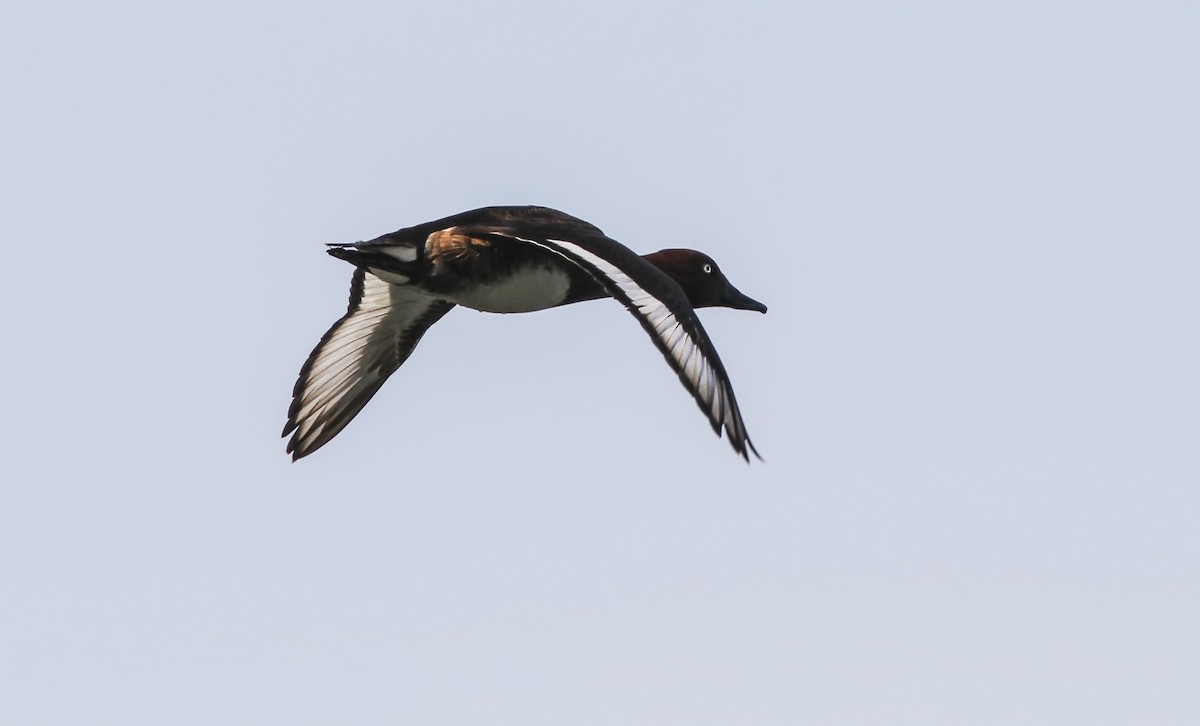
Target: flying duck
{"points": [[507, 260]]}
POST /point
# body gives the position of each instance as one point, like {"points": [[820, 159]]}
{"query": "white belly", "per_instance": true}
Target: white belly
{"points": [[535, 288]]}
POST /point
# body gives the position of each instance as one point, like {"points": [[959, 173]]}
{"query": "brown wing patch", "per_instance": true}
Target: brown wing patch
{"points": [[452, 246]]}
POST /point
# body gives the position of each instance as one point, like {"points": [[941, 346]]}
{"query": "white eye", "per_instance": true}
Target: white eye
{"points": [[707, 268]]}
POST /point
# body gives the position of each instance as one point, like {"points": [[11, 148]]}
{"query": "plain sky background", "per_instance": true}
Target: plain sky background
{"points": [[977, 390]]}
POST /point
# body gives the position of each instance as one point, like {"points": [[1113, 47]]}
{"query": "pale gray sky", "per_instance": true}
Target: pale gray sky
{"points": [[976, 390]]}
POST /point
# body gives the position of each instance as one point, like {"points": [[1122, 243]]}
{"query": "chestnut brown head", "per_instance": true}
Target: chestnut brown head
{"points": [[706, 286]]}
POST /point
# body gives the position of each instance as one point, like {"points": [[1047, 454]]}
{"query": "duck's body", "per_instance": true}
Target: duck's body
{"points": [[506, 260]]}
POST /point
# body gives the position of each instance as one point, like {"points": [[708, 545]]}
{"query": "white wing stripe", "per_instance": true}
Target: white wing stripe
{"points": [[687, 355], [328, 389], [358, 353], [674, 336], [341, 350], [366, 322], [345, 358]]}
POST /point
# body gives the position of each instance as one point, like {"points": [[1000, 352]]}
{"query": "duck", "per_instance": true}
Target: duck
{"points": [[507, 259]]}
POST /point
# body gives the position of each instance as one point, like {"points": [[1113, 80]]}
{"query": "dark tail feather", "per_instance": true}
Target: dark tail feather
{"points": [[372, 260]]}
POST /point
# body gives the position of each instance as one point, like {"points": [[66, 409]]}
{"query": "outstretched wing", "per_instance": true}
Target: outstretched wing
{"points": [[381, 327], [662, 308]]}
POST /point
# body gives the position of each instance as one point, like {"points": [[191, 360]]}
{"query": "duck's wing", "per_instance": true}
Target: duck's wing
{"points": [[662, 308], [381, 327]]}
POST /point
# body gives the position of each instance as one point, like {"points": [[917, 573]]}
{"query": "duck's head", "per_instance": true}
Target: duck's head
{"points": [[706, 286]]}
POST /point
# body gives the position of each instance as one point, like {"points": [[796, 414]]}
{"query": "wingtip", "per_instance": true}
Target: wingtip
{"points": [[745, 448], [294, 448], [297, 452]]}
